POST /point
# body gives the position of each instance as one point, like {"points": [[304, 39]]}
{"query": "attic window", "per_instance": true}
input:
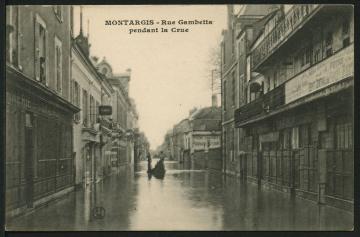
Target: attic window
{"points": [[104, 71]]}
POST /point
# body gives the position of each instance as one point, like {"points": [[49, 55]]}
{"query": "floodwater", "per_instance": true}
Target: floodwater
{"points": [[184, 200]]}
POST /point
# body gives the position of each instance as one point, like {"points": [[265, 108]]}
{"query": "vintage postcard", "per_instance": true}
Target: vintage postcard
{"points": [[179, 117]]}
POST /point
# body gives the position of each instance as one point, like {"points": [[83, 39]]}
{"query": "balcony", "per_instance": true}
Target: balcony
{"points": [[261, 106], [328, 76], [292, 21]]}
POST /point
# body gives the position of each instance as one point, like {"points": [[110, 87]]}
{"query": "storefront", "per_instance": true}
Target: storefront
{"points": [[39, 158]]}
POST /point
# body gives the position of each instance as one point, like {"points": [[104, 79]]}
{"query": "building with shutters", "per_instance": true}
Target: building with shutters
{"points": [[243, 26], [92, 132], [39, 161], [298, 114]]}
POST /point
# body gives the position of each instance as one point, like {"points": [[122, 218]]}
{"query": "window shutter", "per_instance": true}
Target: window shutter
{"points": [[47, 73], [72, 91], [19, 38], [61, 68], [36, 50]]}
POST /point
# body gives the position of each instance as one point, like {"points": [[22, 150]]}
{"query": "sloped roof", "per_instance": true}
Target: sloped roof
{"points": [[207, 113], [206, 125]]}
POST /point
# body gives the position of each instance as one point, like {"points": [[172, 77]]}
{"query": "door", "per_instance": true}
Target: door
{"points": [[29, 159]]}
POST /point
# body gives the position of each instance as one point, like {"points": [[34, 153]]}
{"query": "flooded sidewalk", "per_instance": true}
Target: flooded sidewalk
{"points": [[183, 200]]}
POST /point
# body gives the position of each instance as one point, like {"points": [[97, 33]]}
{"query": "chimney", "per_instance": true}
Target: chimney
{"points": [[81, 17], [230, 12], [214, 102]]}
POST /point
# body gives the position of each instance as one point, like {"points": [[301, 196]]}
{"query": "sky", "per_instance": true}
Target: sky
{"points": [[170, 72]]}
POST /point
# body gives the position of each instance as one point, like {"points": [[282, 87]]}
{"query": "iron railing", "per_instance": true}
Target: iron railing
{"points": [[291, 22]]}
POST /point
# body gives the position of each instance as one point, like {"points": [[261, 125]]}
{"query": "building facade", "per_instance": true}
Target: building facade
{"points": [[39, 161], [298, 116], [202, 145], [242, 28]]}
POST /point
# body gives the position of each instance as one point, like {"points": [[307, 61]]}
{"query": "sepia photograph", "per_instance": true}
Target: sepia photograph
{"points": [[222, 117]]}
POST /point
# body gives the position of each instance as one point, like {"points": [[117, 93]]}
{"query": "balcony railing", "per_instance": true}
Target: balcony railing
{"points": [[291, 21], [330, 71], [264, 104]]}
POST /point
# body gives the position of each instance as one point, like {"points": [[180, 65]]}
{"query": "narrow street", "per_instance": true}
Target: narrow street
{"points": [[183, 200]]}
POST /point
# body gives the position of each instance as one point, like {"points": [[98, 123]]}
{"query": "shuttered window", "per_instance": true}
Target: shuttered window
{"points": [[41, 52], [58, 65]]}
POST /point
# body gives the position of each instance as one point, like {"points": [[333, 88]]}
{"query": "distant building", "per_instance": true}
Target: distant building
{"points": [[202, 145]]}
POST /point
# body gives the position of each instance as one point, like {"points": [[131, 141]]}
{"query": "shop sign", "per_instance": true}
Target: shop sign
{"points": [[269, 137], [105, 110], [334, 69]]}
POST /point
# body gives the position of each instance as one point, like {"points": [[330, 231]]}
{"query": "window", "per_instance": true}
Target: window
{"points": [[41, 58], [346, 33], [58, 10], [92, 110], [233, 87], [97, 111], [304, 135], [343, 134], [14, 36], [58, 65], [317, 56], [224, 95], [76, 98], [328, 44], [223, 53], [85, 108], [275, 78], [268, 84], [233, 145]]}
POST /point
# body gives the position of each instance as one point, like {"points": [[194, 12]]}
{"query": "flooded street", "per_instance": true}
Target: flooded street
{"points": [[184, 200]]}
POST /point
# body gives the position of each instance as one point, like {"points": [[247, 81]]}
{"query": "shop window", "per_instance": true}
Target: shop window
{"points": [[304, 135], [343, 135], [295, 138]]}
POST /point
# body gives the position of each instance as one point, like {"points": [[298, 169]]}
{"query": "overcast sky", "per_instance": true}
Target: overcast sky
{"points": [[170, 71]]}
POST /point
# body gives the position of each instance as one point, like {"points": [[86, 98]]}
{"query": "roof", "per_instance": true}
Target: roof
{"points": [[207, 113], [206, 125]]}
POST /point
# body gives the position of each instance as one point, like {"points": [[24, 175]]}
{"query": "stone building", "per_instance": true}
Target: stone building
{"points": [[242, 28], [202, 141], [298, 114], [39, 159]]}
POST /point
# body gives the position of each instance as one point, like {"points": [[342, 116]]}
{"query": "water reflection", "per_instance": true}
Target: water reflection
{"points": [[185, 199]]}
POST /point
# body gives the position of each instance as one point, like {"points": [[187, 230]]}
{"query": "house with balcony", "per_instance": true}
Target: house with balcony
{"points": [[298, 115], [243, 26]]}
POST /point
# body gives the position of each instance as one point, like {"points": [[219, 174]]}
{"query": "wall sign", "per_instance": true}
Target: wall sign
{"points": [[336, 68]]}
